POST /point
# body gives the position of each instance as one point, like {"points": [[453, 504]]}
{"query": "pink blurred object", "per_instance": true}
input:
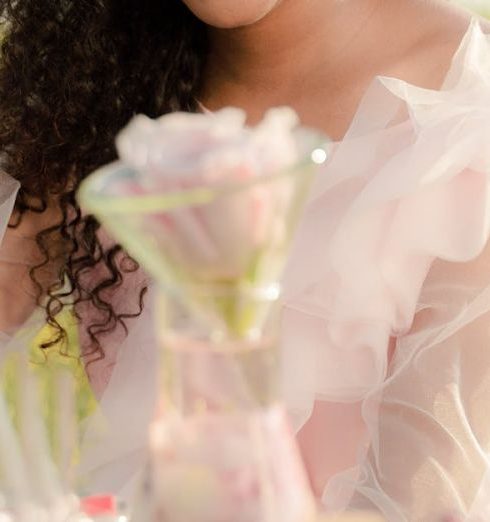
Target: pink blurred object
{"points": [[99, 505], [184, 148]]}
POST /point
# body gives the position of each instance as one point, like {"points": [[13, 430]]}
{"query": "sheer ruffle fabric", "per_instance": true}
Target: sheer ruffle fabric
{"points": [[8, 192], [393, 252]]}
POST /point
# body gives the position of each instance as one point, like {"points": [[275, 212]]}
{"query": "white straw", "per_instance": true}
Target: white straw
{"points": [[12, 467], [66, 430], [34, 440]]}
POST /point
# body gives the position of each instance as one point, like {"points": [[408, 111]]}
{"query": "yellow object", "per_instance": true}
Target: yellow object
{"points": [[47, 362], [49, 367]]}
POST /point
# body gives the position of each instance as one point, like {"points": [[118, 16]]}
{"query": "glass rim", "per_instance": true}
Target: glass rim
{"points": [[99, 202]]}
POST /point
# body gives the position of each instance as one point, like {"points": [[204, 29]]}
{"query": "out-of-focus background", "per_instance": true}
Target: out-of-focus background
{"points": [[479, 6]]}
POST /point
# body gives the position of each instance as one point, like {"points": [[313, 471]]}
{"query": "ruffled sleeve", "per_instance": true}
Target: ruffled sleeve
{"points": [[8, 192], [405, 195]]}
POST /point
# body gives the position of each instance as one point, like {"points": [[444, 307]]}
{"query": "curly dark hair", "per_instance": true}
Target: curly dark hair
{"points": [[72, 73]]}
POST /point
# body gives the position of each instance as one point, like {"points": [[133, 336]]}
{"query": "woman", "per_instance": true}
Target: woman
{"points": [[385, 360]]}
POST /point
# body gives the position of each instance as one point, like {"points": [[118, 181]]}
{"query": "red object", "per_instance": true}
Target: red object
{"points": [[99, 505]]}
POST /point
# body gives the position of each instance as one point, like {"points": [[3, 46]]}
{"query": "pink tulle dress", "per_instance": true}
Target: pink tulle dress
{"points": [[386, 338], [387, 319]]}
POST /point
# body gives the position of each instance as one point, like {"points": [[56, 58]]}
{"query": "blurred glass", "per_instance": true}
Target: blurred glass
{"points": [[221, 448], [357, 516]]}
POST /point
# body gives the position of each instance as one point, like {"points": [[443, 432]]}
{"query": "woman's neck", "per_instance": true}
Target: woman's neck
{"points": [[319, 56], [299, 44]]}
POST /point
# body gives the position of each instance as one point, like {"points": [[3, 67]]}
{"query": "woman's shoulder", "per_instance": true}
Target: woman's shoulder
{"points": [[439, 29], [447, 27]]}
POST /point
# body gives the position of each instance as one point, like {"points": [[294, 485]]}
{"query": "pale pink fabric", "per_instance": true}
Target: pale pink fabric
{"points": [[394, 244]]}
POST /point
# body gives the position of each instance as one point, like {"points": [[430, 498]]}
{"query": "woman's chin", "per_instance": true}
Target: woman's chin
{"points": [[229, 14]]}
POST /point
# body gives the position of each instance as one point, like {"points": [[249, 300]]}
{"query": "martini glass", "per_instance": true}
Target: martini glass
{"points": [[221, 449]]}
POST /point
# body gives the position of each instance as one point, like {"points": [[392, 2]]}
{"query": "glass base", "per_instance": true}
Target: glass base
{"points": [[240, 467]]}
